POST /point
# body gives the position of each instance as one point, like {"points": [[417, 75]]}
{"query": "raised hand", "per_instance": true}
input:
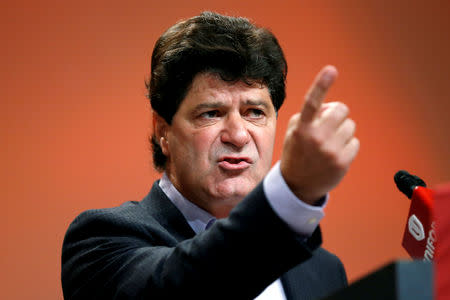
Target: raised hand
{"points": [[320, 144]]}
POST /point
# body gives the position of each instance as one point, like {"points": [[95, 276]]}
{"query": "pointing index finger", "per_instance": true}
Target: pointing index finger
{"points": [[316, 93]]}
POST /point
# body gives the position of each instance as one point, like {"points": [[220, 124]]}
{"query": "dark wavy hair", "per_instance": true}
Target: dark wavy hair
{"points": [[231, 47]]}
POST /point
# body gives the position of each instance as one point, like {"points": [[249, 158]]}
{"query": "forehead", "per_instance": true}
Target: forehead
{"points": [[210, 87]]}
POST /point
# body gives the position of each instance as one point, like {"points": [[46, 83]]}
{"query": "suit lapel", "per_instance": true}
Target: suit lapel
{"points": [[286, 281], [159, 206]]}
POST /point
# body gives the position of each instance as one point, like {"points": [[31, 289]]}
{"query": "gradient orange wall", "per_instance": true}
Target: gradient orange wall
{"points": [[75, 120]]}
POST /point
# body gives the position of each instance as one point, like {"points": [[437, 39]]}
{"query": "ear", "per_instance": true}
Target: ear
{"points": [[160, 128]]}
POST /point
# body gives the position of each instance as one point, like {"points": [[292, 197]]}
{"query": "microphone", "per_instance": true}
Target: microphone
{"points": [[419, 238]]}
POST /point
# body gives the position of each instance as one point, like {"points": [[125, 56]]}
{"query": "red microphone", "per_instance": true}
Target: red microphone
{"points": [[419, 239]]}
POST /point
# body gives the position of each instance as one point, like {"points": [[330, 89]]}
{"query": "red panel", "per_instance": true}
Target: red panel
{"points": [[419, 238], [442, 258]]}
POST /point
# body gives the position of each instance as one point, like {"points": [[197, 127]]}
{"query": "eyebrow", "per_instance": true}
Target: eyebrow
{"points": [[257, 103], [217, 104], [202, 106]]}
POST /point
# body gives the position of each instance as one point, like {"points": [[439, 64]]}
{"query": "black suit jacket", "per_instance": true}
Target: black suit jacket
{"points": [[147, 250]]}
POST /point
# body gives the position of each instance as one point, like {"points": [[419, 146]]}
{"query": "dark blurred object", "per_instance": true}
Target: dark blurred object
{"points": [[406, 182], [399, 280]]}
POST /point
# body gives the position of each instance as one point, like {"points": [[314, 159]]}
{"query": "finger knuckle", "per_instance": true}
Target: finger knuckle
{"points": [[342, 108], [294, 119], [356, 144], [351, 123], [349, 127], [318, 140], [341, 162], [330, 154]]}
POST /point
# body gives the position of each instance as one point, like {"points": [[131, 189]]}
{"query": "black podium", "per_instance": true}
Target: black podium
{"points": [[400, 280]]}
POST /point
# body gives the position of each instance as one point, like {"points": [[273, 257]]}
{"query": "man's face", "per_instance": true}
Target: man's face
{"points": [[219, 145]]}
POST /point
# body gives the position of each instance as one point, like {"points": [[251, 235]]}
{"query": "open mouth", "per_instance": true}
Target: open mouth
{"points": [[234, 160]]}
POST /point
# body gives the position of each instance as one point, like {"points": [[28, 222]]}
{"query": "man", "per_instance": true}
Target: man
{"points": [[219, 225]]}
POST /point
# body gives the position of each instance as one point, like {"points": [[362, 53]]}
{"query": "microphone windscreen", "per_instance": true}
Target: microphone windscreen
{"points": [[406, 182]]}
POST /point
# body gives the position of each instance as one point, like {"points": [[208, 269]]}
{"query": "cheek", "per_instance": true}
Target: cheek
{"points": [[267, 154], [195, 147], [265, 140]]}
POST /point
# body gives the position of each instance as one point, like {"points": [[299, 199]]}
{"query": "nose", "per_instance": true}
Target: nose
{"points": [[235, 131]]}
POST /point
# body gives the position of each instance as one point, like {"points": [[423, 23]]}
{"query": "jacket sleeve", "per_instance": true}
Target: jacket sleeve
{"points": [[114, 254]]}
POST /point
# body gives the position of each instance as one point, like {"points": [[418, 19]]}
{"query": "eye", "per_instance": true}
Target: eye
{"points": [[209, 114], [255, 113]]}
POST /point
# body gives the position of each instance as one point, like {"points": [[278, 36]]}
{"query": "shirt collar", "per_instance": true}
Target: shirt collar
{"points": [[197, 218]]}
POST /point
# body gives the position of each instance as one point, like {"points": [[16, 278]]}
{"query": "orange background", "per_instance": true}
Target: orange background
{"points": [[75, 120]]}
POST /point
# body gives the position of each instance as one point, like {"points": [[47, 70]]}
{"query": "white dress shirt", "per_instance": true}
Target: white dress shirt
{"points": [[299, 216]]}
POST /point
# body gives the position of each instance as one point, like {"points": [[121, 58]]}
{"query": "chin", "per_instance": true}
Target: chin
{"points": [[234, 190]]}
